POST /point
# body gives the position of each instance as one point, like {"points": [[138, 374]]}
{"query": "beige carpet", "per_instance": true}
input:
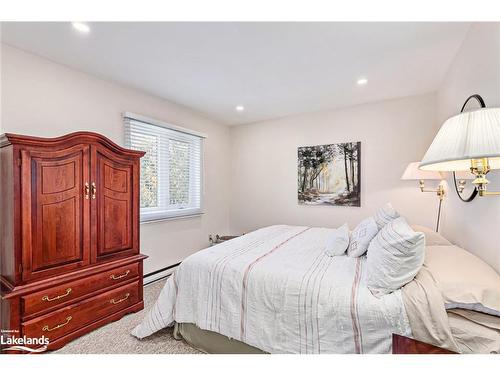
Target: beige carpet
{"points": [[115, 338]]}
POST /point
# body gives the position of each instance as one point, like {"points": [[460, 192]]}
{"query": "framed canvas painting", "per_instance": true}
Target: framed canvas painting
{"points": [[330, 174]]}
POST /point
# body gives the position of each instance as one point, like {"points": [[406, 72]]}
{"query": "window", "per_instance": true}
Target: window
{"points": [[171, 169]]}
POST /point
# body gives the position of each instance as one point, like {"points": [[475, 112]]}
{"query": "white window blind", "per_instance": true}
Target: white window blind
{"points": [[171, 169]]}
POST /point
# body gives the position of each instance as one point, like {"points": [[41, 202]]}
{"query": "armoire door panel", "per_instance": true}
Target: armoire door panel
{"points": [[113, 206], [58, 234], [55, 211], [116, 228], [116, 179], [58, 178]]}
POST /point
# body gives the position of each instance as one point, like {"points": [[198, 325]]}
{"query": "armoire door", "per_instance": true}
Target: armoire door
{"points": [[114, 192], [55, 211]]}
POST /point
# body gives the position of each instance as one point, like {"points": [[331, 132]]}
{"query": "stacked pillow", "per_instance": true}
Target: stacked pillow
{"points": [[395, 250], [338, 241], [361, 236], [394, 257], [385, 215]]}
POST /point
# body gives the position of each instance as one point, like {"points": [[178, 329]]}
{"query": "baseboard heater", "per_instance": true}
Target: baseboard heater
{"points": [[159, 274]]}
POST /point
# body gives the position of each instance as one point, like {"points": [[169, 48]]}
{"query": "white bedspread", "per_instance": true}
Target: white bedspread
{"points": [[275, 289]]}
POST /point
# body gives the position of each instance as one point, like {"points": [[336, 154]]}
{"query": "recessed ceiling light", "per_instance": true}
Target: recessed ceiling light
{"points": [[81, 27], [362, 81], [240, 108]]}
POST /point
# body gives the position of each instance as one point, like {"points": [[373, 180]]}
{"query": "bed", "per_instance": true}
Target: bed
{"points": [[275, 290]]}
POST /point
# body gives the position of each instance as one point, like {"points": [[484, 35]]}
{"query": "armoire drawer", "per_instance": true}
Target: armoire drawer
{"points": [[68, 319], [57, 296]]}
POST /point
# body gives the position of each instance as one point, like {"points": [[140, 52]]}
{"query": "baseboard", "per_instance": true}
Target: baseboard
{"points": [[159, 274]]}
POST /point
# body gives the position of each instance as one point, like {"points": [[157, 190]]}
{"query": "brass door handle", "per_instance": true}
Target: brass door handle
{"points": [[114, 277], [116, 302], [48, 299], [47, 329], [94, 189], [86, 190]]}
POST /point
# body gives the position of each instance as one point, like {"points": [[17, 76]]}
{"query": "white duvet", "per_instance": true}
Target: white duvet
{"points": [[275, 289]]}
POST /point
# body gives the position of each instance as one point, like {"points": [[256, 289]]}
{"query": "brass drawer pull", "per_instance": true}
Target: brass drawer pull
{"points": [[114, 277], [120, 300], [48, 299], [46, 328]]}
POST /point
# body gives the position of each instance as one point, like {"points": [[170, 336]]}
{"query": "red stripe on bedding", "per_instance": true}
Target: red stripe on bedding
{"points": [[330, 261], [216, 277], [354, 308], [306, 321], [299, 299], [246, 276], [221, 272]]}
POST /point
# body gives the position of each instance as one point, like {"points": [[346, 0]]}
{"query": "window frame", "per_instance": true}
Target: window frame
{"points": [[166, 211]]}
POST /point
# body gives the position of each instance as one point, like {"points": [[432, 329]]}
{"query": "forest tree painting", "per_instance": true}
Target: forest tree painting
{"points": [[330, 174]]}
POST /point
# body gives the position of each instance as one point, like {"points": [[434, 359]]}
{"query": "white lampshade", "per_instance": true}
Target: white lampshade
{"points": [[412, 172], [469, 135]]}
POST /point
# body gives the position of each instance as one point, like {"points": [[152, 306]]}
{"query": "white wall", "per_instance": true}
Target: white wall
{"points": [[475, 70], [250, 175], [392, 134], [42, 98]]}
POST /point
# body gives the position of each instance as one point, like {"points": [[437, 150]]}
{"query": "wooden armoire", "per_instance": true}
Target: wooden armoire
{"points": [[69, 235]]}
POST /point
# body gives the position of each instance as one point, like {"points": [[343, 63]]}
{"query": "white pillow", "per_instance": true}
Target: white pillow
{"points": [[464, 280], [394, 257], [385, 215], [361, 236], [338, 241], [432, 238]]}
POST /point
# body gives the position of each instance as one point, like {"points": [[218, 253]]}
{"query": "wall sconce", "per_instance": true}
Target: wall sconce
{"points": [[462, 179], [469, 141], [412, 172]]}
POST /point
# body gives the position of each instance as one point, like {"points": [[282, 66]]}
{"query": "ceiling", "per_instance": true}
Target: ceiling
{"points": [[272, 69]]}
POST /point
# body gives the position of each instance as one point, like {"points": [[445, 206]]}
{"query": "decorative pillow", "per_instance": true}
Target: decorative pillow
{"points": [[361, 236], [385, 215], [432, 238], [338, 241], [395, 256], [465, 281]]}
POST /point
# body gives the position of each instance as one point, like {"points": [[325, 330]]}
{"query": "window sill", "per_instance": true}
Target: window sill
{"points": [[188, 216]]}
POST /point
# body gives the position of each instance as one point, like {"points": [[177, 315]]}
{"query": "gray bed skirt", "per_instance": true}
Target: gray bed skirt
{"points": [[211, 342]]}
